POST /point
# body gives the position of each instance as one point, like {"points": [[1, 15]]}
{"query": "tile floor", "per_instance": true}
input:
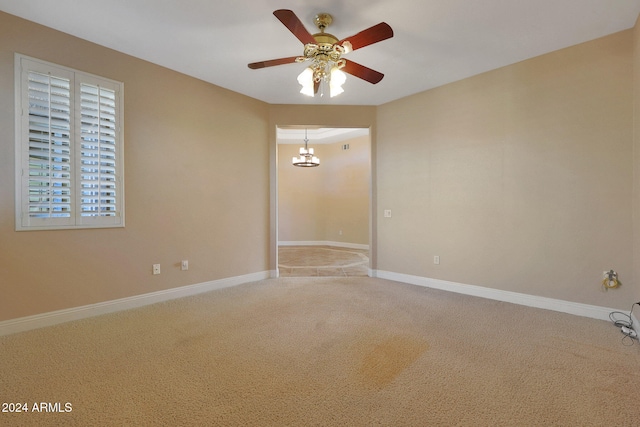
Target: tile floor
{"points": [[309, 261]]}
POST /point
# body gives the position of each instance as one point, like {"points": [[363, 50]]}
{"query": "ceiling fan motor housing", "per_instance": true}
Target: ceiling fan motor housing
{"points": [[325, 49], [322, 21]]}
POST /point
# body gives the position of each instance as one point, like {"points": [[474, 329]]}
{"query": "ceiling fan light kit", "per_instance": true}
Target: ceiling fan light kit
{"points": [[325, 57], [324, 52]]}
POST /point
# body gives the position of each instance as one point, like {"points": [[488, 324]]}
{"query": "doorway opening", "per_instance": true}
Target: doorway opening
{"points": [[323, 213]]}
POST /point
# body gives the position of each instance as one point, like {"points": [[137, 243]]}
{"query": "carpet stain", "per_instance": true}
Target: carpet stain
{"points": [[383, 361]]}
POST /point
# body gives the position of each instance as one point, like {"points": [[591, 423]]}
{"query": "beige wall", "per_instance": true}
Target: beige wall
{"points": [[186, 196], [520, 179], [315, 204], [301, 197]]}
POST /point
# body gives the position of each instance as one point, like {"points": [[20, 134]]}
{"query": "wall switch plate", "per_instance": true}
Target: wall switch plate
{"points": [[156, 268], [184, 265], [436, 259], [387, 213]]}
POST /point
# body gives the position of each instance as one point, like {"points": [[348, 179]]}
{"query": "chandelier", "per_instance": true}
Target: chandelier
{"points": [[306, 159], [326, 62]]}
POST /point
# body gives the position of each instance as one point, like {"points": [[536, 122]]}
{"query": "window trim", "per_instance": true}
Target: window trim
{"points": [[23, 222]]}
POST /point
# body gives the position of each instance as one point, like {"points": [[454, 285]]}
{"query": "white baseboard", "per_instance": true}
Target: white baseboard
{"points": [[60, 316], [578, 309], [323, 243]]}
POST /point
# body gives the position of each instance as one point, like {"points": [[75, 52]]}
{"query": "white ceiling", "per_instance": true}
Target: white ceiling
{"points": [[435, 41]]}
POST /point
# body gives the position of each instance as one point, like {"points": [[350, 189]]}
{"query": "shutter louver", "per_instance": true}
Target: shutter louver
{"points": [[49, 147], [99, 181]]}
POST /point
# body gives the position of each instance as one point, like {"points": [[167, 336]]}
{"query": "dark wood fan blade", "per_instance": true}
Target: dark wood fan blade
{"points": [[291, 21], [362, 72], [272, 62], [371, 35]]}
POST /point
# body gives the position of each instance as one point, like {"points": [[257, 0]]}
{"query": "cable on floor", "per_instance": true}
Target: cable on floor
{"points": [[625, 324]]}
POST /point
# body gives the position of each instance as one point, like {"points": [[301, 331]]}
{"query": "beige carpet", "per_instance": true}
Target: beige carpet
{"points": [[310, 261], [325, 352]]}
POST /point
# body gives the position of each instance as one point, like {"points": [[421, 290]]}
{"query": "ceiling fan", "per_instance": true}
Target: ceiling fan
{"points": [[324, 52]]}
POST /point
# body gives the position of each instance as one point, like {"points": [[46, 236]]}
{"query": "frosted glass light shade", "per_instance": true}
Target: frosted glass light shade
{"points": [[337, 80], [306, 81]]}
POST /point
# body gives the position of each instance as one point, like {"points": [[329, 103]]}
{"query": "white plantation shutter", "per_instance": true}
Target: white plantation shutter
{"points": [[98, 152], [69, 158], [49, 148]]}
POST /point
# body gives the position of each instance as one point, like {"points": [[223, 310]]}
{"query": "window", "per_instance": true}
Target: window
{"points": [[69, 148]]}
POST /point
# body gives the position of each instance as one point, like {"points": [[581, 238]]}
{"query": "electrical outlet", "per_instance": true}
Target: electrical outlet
{"points": [[184, 265], [156, 268], [436, 259]]}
